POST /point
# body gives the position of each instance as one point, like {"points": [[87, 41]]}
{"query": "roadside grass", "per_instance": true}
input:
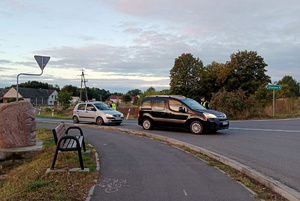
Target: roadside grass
{"points": [[28, 180]]}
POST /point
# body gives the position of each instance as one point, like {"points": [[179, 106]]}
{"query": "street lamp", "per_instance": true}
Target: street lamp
{"points": [[42, 61]]}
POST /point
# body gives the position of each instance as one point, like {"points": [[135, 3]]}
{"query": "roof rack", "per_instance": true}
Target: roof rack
{"points": [[166, 96]]}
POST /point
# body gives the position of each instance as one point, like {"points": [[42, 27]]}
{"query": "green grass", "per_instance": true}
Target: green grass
{"points": [[28, 180]]}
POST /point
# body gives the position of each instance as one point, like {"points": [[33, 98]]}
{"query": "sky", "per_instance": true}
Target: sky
{"points": [[132, 44]]}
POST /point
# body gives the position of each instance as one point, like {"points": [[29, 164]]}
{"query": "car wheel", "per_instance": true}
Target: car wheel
{"points": [[99, 121], [75, 120], [147, 124], [196, 127]]}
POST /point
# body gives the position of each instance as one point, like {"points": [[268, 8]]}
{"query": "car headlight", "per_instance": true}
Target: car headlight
{"points": [[209, 115], [109, 115]]}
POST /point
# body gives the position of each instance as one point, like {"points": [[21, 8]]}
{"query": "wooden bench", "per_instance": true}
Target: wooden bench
{"points": [[65, 142]]}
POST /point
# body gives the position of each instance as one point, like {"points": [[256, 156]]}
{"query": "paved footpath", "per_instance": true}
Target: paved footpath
{"points": [[135, 168]]}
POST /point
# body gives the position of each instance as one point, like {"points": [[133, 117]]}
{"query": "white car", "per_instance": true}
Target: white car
{"points": [[96, 112]]}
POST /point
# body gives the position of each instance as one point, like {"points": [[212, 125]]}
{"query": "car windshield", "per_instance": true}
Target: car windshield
{"points": [[102, 106], [194, 105]]}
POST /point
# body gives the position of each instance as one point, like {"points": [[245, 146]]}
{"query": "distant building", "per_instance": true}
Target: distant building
{"points": [[34, 96], [115, 99], [75, 99]]}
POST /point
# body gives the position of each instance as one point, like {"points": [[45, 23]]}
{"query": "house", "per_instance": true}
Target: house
{"points": [[115, 99], [34, 96], [75, 99], [2, 92]]}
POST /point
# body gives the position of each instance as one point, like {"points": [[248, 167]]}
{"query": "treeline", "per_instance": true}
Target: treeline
{"points": [[236, 86], [92, 93]]}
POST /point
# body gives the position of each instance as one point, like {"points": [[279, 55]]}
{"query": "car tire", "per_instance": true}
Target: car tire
{"points": [[99, 121], [147, 124], [75, 120], [196, 127]]}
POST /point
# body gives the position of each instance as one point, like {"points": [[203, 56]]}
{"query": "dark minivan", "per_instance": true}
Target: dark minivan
{"points": [[172, 110]]}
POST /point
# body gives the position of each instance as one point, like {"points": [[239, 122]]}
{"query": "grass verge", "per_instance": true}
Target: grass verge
{"points": [[28, 180]]}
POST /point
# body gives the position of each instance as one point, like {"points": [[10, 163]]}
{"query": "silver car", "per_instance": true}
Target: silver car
{"points": [[96, 112]]}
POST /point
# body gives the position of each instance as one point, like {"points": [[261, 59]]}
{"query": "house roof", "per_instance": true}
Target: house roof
{"points": [[116, 97], [35, 93], [3, 91]]}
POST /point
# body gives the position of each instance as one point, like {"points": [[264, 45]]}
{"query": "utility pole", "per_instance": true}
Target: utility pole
{"points": [[83, 81]]}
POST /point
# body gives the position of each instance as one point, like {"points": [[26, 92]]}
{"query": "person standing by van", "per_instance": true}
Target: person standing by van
{"points": [[204, 103], [113, 105]]}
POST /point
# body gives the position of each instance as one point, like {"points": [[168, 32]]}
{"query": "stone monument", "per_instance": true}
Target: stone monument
{"points": [[17, 125], [17, 131]]}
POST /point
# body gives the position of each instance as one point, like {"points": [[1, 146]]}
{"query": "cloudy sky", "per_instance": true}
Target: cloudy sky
{"points": [[132, 44]]}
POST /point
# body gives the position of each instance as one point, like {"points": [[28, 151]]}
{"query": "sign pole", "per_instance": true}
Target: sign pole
{"points": [[41, 62], [273, 103], [273, 87]]}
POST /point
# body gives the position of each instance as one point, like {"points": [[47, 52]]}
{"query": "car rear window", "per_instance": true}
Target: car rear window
{"points": [[146, 104]]}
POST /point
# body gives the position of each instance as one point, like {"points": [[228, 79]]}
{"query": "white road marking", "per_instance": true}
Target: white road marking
{"points": [[185, 193], [271, 130]]}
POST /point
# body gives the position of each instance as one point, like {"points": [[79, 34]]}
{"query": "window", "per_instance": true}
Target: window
{"points": [[175, 105], [158, 105], [81, 107], [90, 107], [147, 104]]}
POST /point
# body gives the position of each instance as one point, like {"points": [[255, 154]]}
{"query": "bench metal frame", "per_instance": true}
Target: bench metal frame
{"points": [[65, 142]]}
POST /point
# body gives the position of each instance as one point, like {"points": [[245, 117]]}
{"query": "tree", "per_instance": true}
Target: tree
{"points": [[126, 98], [289, 87], [73, 89], [134, 92], [245, 70], [37, 85], [64, 98], [185, 76], [209, 78]]}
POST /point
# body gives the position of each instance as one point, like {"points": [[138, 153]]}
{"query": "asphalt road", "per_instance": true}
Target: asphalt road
{"points": [[271, 147], [136, 168]]}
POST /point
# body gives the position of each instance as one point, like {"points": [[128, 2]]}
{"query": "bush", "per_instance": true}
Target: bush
{"points": [[234, 104], [48, 109]]}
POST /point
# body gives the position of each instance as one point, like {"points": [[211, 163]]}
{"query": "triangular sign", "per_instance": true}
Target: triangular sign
{"points": [[42, 61]]}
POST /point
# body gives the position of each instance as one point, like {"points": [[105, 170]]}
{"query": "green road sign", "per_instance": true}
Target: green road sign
{"points": [[274, 87]]}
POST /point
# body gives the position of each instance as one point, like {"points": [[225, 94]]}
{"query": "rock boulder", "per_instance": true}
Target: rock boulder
{"points": [[17, 125]]}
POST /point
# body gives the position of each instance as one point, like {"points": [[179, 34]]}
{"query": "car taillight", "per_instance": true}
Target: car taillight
{"points": [[139, 111]]}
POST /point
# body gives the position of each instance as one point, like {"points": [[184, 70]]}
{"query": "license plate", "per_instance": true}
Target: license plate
{"points": [[118, 118], [225, 123]]}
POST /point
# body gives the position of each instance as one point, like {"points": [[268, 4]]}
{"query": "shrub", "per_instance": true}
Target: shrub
{"points": [[234, 104]]}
